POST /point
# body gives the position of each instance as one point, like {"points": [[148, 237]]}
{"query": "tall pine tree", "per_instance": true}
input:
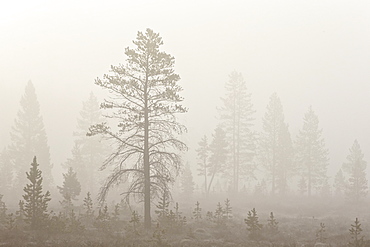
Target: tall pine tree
{"points": [[237, 118], [312, 155], [144, 100], [276, 149], [355, 167], [28, 139], [88, 152]]}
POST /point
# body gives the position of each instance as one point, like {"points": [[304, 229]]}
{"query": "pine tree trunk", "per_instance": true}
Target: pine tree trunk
{"points": [[147, 218]]}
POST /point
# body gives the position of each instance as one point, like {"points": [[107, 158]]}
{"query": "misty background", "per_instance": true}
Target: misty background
{"points": [[308, 52]]}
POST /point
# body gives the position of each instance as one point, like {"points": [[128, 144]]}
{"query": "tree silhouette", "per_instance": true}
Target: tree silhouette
{"points": [[339, 183], [312, 156], [28, 138], [70, 190], [187, 182], [355, 232], [237, 120], [144, 100], [253, 226], [356, 168], [88, 152], [276, 150], [36, 203]]}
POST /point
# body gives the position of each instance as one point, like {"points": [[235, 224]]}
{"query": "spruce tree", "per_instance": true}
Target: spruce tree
{"points": [[228, 209], [339, 183], [356, 168], [70, 190], [36, 203], [276, 149], [355, 232], [219, 214], [88, 206], [28, 139], [20, 214], [88, 152], [253, 226], [272, 224], [187, 182], [197, 212], [237, 121], [312, 155], [135, 220], [162, 206]]}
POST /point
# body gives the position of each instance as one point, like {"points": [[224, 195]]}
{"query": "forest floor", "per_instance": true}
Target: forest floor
{"points": [[300, 223]]}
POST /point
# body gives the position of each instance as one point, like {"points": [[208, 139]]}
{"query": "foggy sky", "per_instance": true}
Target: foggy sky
{"points": [[309, 52]]}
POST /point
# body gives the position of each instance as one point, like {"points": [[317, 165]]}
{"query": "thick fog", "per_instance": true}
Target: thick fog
{"points": [[312, 54], [309, 53]]}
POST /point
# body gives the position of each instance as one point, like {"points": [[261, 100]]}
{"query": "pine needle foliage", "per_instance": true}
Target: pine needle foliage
{"points": [[36, 203]]}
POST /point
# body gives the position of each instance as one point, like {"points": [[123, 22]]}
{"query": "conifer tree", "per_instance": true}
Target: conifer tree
{"points": [[187, 182], [70, 190], [237, 121], [180, 220], [340, 183], [218, 158], [103, 218], [219, 214], [253, 226], [163, 204], [272, 224], [203, 155], [20, 213], [135, 220], [276, 149], [74, 224], [145, 99], [28, 139], [356, 168], [197, 212], [88, 152], [36, 203], [355, 232], [88, 206], [228, 209], [312, 155]]}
